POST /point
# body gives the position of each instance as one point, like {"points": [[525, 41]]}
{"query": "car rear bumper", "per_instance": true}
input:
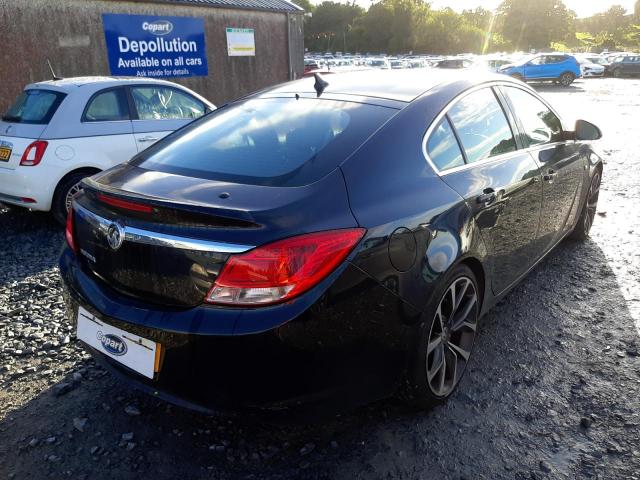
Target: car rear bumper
{"points": [[325, 352], [21, 187]]}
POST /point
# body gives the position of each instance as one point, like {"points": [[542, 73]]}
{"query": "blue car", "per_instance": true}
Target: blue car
{"points": [[557, 67]]}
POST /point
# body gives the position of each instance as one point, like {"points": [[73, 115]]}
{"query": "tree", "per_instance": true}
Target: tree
{"points": [[328, 27], [305, 4], [527, 24], [636, 11]]}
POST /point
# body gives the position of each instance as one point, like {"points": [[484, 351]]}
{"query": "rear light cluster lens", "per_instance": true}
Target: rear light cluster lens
{"points": [[282, 270], [69, 234], [124, 204], [32, 156]]}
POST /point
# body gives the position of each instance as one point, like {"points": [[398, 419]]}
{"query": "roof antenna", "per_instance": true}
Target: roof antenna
{"points": [[320, 84], [53, 74]]}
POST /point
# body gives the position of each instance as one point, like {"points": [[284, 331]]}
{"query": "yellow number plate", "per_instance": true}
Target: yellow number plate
{"points": [[5, 153]]}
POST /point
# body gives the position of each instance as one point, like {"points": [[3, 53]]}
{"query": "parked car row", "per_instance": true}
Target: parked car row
{"points": [[58, 132], [559, 67]]}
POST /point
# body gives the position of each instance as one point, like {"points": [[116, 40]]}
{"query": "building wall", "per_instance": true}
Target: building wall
{"points": [[69, 33]]}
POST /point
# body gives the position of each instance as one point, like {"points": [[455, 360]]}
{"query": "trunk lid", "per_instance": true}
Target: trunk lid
{"points": [[173, 254]]}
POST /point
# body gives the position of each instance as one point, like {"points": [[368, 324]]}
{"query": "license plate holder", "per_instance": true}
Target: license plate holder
{"points": [[137, 353]]}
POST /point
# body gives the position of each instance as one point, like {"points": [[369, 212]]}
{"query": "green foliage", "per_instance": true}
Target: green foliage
{"points": [[400, 26], [305, 4], [529, 24]]}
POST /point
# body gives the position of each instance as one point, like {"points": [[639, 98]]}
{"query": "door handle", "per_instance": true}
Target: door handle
{"points": [[487, 198], [147, 139], [550, 176]]}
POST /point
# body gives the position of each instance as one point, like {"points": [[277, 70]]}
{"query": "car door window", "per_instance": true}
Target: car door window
{"points": [[443, 148], [107, 106], [540, 124], [482, 126], [163, 103], [537, 61]]}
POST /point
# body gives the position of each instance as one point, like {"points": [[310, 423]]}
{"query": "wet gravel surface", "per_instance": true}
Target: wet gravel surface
{"points": [[553, 389]]}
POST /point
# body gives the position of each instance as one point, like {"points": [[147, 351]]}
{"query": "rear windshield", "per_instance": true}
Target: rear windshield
{"points": [[273, 141], [34, 106]]}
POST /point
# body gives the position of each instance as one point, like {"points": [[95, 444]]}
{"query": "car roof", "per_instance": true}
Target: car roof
{"points": [[397, 85], [69, 84]]}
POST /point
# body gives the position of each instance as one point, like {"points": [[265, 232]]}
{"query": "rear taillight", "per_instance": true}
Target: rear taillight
{"points": [[124, 204], [32, 156], [282, 270], [69, 231]]}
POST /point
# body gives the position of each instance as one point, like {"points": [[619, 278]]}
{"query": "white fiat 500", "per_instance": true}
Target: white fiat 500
{"points": [[60, 131]]}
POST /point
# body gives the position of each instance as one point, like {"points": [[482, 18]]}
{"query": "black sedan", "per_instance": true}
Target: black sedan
{"points": [[325, 242]]}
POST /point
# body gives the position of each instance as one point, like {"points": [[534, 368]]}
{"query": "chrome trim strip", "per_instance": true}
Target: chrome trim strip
{"points": [[489, 160], [138, 235]]}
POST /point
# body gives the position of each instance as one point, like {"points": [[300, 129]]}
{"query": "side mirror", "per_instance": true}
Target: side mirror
{"points": [[587, 131]]}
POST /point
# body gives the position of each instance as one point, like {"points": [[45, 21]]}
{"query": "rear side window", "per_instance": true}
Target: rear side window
{"points": [[443, 148], [34, 106], [108, 106], [163, 103], [271, 141], [481, 126], [540, 124]]}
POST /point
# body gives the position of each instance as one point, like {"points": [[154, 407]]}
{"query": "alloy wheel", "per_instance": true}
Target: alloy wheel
{"points": [[70, 194], [566, 79], [451, 337], [592, 201]]}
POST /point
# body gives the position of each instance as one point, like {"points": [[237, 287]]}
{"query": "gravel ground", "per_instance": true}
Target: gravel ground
{"points": [[553, 390]]}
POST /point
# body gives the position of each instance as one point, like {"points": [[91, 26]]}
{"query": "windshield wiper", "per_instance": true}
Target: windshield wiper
{"points": [[11, 118]]}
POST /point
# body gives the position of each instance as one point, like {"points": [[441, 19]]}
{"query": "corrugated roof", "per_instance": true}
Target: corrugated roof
{"points": [[273, 5]]}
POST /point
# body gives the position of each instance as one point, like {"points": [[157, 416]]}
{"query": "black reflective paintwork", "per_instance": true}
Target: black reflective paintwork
{"points": [[348, 339]]}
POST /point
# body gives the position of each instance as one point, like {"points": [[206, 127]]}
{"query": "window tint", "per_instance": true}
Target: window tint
{"points": [[556, 59], [34, 106], [107, 106], [540, 124], [443, 148], [163, 103], [481, 126], [274, 141]]}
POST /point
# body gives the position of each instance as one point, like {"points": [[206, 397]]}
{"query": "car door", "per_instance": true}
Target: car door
{"points": [[159, 110], [556, 65], [561, 163], [635, 65], [105, 133], [534, 69], [474, 148]]}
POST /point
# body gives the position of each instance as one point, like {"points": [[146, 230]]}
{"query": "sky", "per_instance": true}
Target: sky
{"points": [[583, 8]]}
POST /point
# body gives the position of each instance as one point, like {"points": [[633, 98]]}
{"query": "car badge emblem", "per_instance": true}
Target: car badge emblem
{"points": [[115, 235]]}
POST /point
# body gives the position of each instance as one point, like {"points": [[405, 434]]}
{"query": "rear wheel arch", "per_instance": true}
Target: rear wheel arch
{"points": [[57, 209], [477, 268]]}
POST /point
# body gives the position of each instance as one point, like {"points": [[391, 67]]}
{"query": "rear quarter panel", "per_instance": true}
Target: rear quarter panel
{"points": [[391, 186]]}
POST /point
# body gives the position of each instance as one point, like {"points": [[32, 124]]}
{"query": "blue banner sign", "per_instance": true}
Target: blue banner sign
{"points": [[148, 46]]}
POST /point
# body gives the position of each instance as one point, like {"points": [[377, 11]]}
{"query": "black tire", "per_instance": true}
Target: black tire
{"points": [[61, 196], [588, 214], [566, 79], [517, 76], [617, 73], [426, 385]]}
